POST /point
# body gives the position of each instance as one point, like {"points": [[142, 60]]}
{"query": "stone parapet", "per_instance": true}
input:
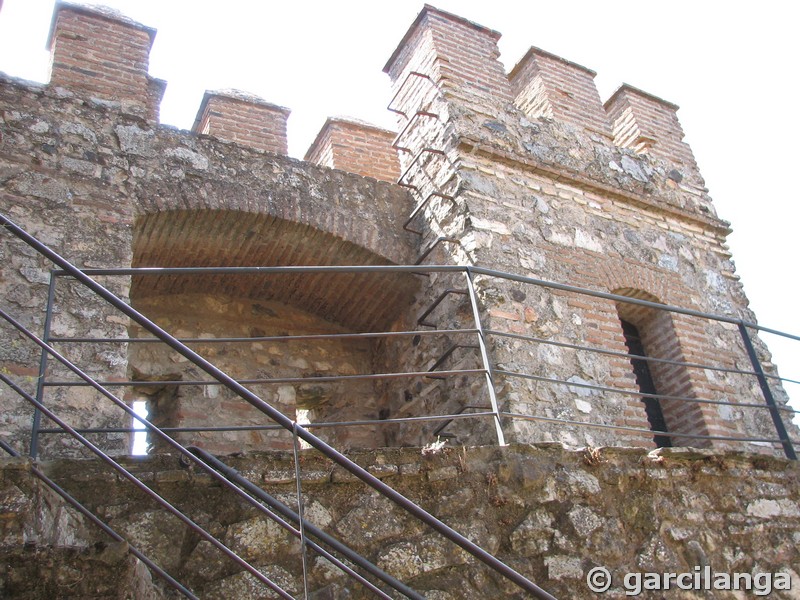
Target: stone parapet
{"points": [[552, 514]]}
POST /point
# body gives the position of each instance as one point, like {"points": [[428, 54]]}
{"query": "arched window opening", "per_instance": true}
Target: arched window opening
{"points": [[672, 379], [645, 382]]}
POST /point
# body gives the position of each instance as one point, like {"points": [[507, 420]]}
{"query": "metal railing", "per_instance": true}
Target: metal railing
{"points": [[476, 338], [485, 368], [218, 377]]}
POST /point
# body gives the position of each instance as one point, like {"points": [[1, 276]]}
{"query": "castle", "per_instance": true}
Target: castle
{"points": [[518, 276]]}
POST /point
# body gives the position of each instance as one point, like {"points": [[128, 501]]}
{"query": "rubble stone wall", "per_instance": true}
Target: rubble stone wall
{"points": [[552, 514]]}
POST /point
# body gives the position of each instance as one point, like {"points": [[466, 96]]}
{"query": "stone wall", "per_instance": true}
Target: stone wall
{"points": [[552, 514], [529, 175], [47, 549], [218, 316], [515, 173]]}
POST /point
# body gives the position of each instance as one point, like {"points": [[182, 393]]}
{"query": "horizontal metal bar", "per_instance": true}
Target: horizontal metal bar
{"points": [[276, 380], [529, 338], [617, 298], [69, 499], [602, 388], [270, 338], [428, 269], [235, 428], [649, 432], [286, 270]]}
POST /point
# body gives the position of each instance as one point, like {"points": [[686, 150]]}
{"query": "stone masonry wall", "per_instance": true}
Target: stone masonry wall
{"points": [[48, 550], [218, 316], [552, 514]]}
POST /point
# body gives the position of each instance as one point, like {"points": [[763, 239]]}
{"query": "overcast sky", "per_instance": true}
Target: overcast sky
{"points": [[730, 66]]}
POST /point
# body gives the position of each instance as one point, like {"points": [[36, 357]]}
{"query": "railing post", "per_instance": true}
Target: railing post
{"points": [[37, 414], [783, 435], [487, 365], [300, 511]]}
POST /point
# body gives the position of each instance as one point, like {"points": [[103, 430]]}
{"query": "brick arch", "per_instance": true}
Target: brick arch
{"points": [[649, 283], [217, 176], [660, 338], [213, 237]]}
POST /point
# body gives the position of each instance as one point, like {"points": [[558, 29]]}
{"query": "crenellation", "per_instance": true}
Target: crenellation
{"points": [[357, 147], [243, 118], [100, 52], [648, 124], [550, 86]]}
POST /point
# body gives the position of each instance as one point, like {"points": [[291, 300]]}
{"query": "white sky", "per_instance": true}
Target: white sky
{"points": [[730, 66]]}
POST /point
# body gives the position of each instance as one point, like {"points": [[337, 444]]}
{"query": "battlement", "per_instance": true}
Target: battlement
{"points": [[547, 85], [100, 52], [462, 59], [243, 118], [357, 147], [649, 124], [454, 52]]}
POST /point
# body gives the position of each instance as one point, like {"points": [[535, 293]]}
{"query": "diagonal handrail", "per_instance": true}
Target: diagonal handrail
{"points": [[251, 398], [69, 499], [126, 474], [253, 495]]}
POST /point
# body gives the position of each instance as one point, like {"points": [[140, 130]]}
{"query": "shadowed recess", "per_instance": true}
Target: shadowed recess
{"points": [[216, 238]]}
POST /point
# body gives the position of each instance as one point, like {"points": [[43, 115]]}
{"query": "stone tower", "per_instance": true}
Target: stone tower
{"points": [[536, 176]]}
